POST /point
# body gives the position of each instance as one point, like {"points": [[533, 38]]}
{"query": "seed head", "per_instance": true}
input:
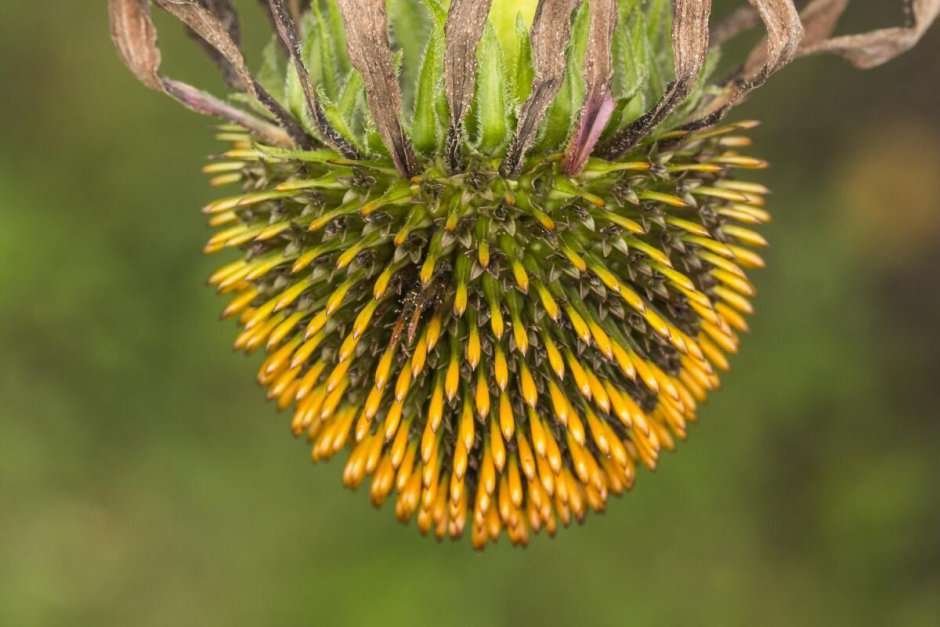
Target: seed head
{"points": [[501, 263]]}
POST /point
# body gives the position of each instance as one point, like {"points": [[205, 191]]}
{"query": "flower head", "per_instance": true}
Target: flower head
{"points": [[500, 256]]}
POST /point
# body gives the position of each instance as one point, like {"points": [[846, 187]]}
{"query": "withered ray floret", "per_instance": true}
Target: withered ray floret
{"points": [[462, 32], [369, 50]]}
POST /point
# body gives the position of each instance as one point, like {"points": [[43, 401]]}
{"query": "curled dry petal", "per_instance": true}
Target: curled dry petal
{"points": [[690, 47], [598, 72], [366, 24], [227, 14], [213, 32], [228, 17], [135, 38], [229, 73], [598, 60], [219, 32], [551, 31], [207, 104], [784, 34], [733, 24], [820, 18], [872, 49], [462, 32]]}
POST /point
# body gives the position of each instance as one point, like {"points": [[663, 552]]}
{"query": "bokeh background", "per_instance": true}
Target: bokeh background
{"points": [[144, 480]]}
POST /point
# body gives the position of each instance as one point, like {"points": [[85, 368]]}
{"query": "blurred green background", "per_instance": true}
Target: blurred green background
{"points": [[146, 482]]}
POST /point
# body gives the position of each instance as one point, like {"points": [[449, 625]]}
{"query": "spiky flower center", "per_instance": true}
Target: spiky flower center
{"points": [[503, 336], [493, 350]]}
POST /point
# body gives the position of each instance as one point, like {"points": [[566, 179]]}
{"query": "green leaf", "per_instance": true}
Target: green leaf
{"points": [[350, 103], [374, 142], [426, 131], [273, 69], [327, 72], [628, 8], [523, 73], [437, 11], [293, 90], [491, 105], [580, 31], [338, 120], [334, 21], [409, 29], [505, 17], [631, 61], [657, 42], [631, 69]]}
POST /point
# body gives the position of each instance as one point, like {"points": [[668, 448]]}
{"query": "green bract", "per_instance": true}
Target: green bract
{"points": [[642, 68]]}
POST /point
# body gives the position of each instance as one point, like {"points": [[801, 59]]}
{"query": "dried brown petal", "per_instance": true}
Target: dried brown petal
{"points": [[211, 30], [551, 31], [135, 38], [784, 33], [598, 72], [207, 104], [733, 24], [872, 49], [217, 37], [690, 47], [366, 24], [227, 14], [598, 61], [819, 20], [284, 23], [228, 17], [462, 32]]}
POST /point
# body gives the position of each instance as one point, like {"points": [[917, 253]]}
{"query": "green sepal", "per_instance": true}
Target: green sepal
{"points": [[426, 129], [523, 73], [325, 54], [491, 104], [334, 22], [273, 69], [409, 30], [657, 41], [340, 123], [293, 90], [350, 103]]}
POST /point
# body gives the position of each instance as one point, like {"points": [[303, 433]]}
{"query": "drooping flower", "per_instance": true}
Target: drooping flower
{"points": [[497, 251]]}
